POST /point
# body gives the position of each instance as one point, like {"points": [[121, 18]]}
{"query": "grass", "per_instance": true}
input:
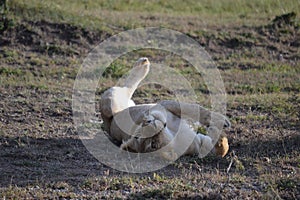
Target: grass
{"points": [[105, 15], [41, 156]]}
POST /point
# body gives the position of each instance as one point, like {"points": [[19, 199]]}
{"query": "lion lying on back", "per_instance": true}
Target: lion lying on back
{"points": [[149, 127]]}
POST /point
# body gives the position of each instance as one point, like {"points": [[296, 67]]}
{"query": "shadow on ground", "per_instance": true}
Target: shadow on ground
{"points": [[27, 161]]}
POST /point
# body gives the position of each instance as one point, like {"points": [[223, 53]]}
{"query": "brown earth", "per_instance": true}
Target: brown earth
{"points": [[41, 155]]}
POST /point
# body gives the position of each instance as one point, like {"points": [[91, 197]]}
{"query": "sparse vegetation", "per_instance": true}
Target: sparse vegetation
{"points": [[5, 22], [255, 45]]}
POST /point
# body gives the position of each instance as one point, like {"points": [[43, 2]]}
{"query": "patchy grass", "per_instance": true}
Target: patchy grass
{"points": [[106, 15], [41, 156]]}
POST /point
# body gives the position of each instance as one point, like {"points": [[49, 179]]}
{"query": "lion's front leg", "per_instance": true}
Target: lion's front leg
{"points": [[203, 144]]}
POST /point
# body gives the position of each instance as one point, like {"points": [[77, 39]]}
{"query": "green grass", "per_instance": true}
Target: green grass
{"points": [[175, 7], [108, 14]]}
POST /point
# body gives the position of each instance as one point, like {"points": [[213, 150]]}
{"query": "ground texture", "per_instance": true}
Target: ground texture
{"points": [[42, 157]]}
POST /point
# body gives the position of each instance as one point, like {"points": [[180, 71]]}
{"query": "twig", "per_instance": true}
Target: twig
{"points": [[231, 162]]}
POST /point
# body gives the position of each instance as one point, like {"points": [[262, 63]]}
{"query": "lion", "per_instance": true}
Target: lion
{"points": [[149, 127]]}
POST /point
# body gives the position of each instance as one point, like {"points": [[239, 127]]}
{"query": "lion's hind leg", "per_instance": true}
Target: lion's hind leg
{"points": [[195, 112]]}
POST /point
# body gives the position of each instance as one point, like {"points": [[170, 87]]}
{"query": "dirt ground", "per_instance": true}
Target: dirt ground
{"points": [[41, 155]]}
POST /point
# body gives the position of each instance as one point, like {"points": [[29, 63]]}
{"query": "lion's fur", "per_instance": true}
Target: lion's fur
{"points": [[123, 120]]}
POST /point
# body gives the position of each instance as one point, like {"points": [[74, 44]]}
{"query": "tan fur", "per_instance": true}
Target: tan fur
{"points": [[222, 147], [149, 127]]}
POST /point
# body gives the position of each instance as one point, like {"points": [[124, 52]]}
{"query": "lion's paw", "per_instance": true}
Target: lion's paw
{"points": [[222, 146]]}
